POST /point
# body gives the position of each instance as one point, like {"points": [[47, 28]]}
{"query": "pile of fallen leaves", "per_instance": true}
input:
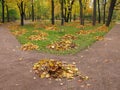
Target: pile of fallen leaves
{"points": [[102, 29], [84, 32], [69, 37], [14, 27], [36, 31], [40, 36], [51, 27], [50, 68], [99, 38], [80, 26], [62, 45], [36, 26], [19, 32], [29, 46]]}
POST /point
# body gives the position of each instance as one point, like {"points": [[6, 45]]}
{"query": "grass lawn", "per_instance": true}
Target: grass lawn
{"points": [[84, 36]]}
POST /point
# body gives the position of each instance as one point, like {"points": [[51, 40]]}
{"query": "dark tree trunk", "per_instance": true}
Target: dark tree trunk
{"points": [[22, 14], [99, 15], [111, 9], [104, 11], [74, 17], [52, 5], [62, 14], [69, 14], [3, 11], [32, 11], [65, 15], [8, 19], [25, 16], [94, 13], [81, 13]]}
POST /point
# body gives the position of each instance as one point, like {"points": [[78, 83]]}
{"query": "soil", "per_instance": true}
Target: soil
{"points": [[100, 62]]}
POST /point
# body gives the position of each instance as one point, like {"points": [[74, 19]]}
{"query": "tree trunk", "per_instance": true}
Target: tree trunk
{"points": [[3, 11], [74, 17], [81, 13], [94, 12], [32, 11], [111, 9], [62, 14], [65, 15], [52, 5], [70, 16], [22, 14], [104, 11], [99, 15], [8, 19]]}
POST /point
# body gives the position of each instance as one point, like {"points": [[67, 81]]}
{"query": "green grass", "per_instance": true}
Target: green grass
{"points": [[82, 41]]}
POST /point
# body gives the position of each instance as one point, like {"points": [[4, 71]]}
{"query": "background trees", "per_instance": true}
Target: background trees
{"points": [[64, 10]]}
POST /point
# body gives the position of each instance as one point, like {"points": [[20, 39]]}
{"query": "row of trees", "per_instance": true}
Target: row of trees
{"points": [[66, 10]]}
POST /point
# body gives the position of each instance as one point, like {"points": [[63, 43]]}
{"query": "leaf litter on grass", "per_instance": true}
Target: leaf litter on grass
{"points": [[19, 32], [39, 36], [29, 46], [62, 45], [65, 43]]}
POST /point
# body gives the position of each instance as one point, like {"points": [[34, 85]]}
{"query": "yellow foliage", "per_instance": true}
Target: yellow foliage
{"points": [[29, 46], [19, 32], [62, 45], [50, 68]]}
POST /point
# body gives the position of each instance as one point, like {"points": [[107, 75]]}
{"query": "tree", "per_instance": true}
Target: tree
{"points": [[52, 5], [81, 13], [94, 12], [3, 10], [104, 11], [32, 10], [21, 6], [110, 14], [62, 14], [99, 15]]}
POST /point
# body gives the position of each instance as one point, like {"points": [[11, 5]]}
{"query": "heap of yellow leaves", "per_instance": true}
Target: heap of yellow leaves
{"points": [[38, 25], [62, 45], [69, 37], [14, 27], [29, 46], [102, 29], [52, 27], [40, 36], [19, 32], [80, 26], [50, 68], [83, 32], [99, 38]]}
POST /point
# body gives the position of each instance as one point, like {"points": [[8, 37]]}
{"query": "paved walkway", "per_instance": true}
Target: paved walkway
{"points": [[101, 62]]}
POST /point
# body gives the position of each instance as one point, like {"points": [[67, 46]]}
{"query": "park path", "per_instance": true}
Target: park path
{"points": [[101, 62]]}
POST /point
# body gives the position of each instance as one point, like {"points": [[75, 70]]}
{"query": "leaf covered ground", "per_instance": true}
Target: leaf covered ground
{"points": [[57, 39]]}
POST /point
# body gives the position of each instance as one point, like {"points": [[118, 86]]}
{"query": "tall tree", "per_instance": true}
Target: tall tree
{"points": [[62, 14], [3, 10], [32, 10], [94, 12], [52, 7], [7, 10], [21, 9], [81, 13], [110, 14], [104, 11], [99, 15]]}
